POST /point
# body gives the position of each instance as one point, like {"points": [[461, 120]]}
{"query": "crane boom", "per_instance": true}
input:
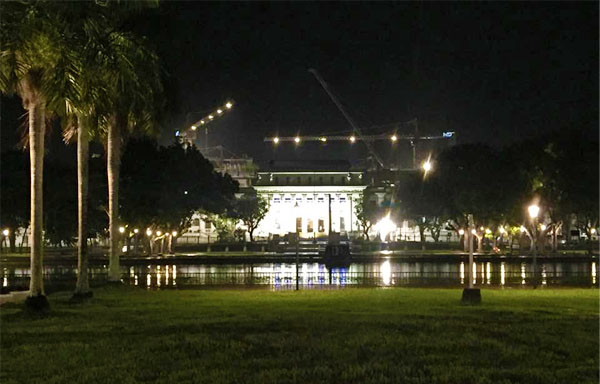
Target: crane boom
{"points": [[346, 115]]}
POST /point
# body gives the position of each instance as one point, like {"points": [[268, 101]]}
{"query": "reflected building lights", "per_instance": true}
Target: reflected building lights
{"points": [[148, 280], [593, 273], [474, 273], [158, 279], [386, 272], [135, 280], [523, 273], [488, 272], [544, 281], [502, 273], [5, 282], [462, 272]]}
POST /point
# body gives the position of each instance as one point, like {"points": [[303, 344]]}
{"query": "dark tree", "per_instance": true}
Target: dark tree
{"points": [[250, 209]]}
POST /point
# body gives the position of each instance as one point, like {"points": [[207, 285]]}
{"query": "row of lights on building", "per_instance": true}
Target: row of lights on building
{"points": [[212, 116], [149, 232]]}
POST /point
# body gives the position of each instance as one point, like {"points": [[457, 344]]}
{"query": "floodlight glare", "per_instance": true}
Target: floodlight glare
{"points": [[352, 139], [394, 138], [297, 139], [276, 140], [193, 127], [228, 105]]}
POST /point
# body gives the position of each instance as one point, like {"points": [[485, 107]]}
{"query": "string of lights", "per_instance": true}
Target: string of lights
{"points": [[353, 138]]}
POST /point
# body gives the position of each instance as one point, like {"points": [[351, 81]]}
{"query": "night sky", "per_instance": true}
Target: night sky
{"points": [[491, 72]]}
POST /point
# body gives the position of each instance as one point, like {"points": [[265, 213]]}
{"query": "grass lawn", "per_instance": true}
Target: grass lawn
{"points": [[401, 335]]}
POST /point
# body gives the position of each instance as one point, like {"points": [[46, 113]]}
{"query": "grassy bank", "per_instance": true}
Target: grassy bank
{"points": [[130, 335]]}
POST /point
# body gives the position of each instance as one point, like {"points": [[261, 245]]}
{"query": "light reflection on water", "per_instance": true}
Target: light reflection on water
{"points": [[283, 275]]}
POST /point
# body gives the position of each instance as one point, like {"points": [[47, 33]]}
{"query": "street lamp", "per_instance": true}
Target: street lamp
{"points": [[427, 166], [121, 229], [352, 139], [5, 232], [534, 211]]}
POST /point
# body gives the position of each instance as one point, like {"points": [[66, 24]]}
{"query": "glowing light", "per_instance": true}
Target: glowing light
{"points": [[194, 127], [522, 229], [474, 232], [427, 166], [474, 273], [462, 272], [533, 210], [461, 231], [174, 233], [5, 232], [297, 139], [210, 117], [158, 233], [185, 192], [385, 226], [124, 249], [219, 111], [323, 139], [502, 274], [352, 139], [122, 229], [488, 272], [543, 227], [488, 231], [593, 230], [502, 230], [136, 230], [228, 105], [523, 273], [386, 272], [276, 140], [149, 232], [201, 122], [593, 273], [481, 228], [394, 137]]}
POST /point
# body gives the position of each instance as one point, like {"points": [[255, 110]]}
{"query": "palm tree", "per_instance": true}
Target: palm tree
{"points": [[134, 84], [33, 51]]}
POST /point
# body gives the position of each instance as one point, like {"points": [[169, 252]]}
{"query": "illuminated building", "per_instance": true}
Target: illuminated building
{"points": [[312, 198]]}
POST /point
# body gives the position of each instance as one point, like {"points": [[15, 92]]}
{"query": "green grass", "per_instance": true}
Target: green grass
{"points": [[131, 335]]}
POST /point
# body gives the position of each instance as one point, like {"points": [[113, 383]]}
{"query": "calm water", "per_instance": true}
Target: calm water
{"points": [[314, 275]]}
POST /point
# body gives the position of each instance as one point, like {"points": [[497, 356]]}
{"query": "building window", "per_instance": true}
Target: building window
{"points": [[298, 224], [342, 224], [287, 200], [342, 199], [276, 200], [309, 226], [321, 199], [196, 223], [321, 225]]}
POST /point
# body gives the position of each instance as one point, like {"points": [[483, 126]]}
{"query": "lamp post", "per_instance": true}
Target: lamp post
{"points": [[471, 295], [534, 211]]}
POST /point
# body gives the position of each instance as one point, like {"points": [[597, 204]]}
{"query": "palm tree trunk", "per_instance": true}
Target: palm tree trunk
{"points": [[113, 167], [37, 116], [82, 286]]}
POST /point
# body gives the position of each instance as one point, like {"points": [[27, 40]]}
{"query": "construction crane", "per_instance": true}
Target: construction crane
{"points": [[189, 135], [357, 134]]}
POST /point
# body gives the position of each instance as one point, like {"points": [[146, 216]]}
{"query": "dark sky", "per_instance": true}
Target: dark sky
{"points": [[492, 72]]}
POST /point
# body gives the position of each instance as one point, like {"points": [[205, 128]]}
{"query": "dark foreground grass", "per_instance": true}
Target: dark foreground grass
{"points": [[130, 335]]}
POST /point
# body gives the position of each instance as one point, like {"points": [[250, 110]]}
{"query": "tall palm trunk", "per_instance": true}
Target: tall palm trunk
{"points": [[113, 168], [83, 286], [37, 114]]}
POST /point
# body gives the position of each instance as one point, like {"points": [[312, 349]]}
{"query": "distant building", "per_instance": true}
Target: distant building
{"points": [[312, 198]]}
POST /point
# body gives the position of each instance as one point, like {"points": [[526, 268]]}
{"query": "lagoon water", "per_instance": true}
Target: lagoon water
{"points": [[385, 273]]}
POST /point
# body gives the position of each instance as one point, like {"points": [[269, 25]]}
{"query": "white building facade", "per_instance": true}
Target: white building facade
{"points": [[312, 203]]}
